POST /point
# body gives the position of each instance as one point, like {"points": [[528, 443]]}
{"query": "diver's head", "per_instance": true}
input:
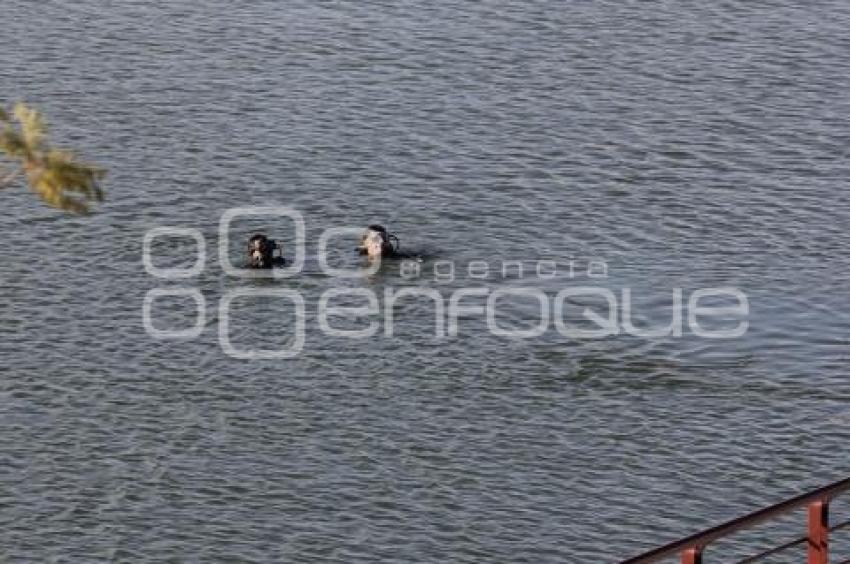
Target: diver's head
{"points": [[261, 251], [375, 242]]}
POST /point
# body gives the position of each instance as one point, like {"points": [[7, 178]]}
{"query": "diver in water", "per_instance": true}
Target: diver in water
{"points": [[376, 241], [261, 252]]}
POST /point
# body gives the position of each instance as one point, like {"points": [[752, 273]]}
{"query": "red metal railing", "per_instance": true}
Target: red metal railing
{"points": [[691, 548]]}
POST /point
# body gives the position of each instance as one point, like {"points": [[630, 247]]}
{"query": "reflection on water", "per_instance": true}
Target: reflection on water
{"points": [[685, 146]]}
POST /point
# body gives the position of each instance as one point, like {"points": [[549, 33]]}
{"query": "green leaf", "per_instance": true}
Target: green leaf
{"points": [[33, 128], [56, 175]]}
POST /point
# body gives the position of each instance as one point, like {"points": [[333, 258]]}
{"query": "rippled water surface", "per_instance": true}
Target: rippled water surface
{"points": [[685, 144]]}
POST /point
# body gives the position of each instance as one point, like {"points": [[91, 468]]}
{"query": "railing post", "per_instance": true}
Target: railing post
{"points": [[692, 555], [818, 532]]}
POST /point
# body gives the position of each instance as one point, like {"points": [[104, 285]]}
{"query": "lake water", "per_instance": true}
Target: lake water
{"points": [[685, 145]]}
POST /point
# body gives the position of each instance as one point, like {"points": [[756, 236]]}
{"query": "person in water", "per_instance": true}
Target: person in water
{"points": [[261, 252], [376, 241]]}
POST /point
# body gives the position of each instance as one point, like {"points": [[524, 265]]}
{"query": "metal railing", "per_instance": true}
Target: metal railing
{"points": [[691, 548]]}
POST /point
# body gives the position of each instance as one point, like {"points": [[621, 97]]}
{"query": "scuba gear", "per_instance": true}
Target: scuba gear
{"points": [[378, 241], [261, 252]]}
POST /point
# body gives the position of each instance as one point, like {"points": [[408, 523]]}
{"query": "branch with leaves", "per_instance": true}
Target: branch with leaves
{"points": [[54, 174]]}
